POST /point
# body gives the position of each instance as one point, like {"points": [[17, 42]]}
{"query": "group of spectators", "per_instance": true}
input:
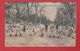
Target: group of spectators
{"points": [[20, 29]]}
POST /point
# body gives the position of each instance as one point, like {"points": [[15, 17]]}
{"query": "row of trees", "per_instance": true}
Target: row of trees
{"points": [[66, 15], [22, 11]]}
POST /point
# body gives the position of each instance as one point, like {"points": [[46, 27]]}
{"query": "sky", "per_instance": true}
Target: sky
{"points": [[50, 9]]}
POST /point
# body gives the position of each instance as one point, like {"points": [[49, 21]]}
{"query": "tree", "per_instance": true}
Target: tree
{"points": [[65, 15]]}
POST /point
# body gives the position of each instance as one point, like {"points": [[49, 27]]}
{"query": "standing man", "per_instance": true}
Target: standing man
{"points": [[46, 27]]}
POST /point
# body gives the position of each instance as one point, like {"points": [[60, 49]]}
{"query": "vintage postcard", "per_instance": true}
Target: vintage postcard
{"points": [[40, 24]]}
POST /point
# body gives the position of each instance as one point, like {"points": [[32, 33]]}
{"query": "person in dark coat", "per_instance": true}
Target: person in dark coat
{"points": [[24, 28], [46, 27]]}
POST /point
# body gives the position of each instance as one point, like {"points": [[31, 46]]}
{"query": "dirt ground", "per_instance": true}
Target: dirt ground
{"points": [[33, 41]]}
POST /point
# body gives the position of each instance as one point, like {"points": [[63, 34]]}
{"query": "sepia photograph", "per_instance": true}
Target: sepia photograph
{"points": [[40, 24]]}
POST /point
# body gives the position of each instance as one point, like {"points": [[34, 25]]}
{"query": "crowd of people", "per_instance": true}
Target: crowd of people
{"points": [[19, 29]]}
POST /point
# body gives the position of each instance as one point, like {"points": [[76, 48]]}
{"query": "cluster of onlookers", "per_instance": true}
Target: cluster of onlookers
{"points": [[20, 29]]}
